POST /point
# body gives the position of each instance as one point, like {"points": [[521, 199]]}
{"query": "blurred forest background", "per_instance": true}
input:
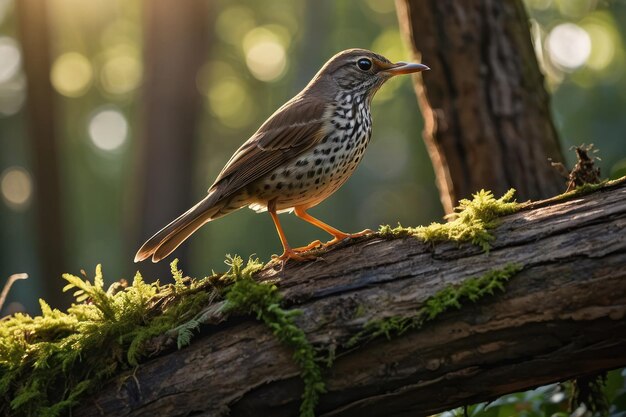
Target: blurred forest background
{"points": [[116, 116]]}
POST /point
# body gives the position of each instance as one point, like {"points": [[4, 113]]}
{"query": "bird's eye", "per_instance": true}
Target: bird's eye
{"points": [[364, 64]]}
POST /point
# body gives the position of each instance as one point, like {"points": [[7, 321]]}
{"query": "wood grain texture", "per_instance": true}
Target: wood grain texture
{"points": [[562, 316], [486, 111]]}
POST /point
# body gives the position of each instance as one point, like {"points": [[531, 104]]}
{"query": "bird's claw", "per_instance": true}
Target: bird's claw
{"points": [[293, 255], [298, 255]]}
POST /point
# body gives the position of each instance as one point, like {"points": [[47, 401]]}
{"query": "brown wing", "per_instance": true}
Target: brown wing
{"points": [[291, 130]]}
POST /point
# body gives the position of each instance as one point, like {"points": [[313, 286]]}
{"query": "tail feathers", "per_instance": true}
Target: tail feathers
{"points": [[171, 236]]}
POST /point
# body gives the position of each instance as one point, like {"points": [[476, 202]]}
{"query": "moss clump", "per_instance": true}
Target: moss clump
{"points": [[248, 296], [471, 222], [451, 297], [47, 362]]}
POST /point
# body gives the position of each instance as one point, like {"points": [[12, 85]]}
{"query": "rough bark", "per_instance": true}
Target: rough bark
{"points": [[561, 316], [42, 112], [486, 111], [177, 42]]}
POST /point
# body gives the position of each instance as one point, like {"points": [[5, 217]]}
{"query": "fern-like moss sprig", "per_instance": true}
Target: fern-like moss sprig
{"points": [[47, 362], [472, 221]]}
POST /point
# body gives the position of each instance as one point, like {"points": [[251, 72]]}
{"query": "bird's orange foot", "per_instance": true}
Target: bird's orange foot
{"points": [[343, 236], [292, 254], [308, 247]]}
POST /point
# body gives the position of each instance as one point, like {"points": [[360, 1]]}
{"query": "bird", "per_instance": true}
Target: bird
{"points": [[299, 156]]}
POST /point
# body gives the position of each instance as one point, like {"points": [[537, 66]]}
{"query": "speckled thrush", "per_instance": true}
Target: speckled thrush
{"points": [[301, 155]]}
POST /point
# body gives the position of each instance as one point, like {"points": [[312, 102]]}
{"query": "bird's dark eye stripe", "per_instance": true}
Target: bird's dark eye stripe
{"points": [[364, 64]]}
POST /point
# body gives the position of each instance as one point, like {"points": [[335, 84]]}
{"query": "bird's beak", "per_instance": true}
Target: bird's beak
{"points": [[404, 68]]}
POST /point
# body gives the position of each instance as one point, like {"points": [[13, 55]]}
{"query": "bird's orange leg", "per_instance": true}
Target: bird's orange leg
{"points": [[338, 235], [288, 252]]}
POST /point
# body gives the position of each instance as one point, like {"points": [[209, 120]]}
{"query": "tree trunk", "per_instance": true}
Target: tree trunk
{"points": [[487, 115], [177, 41], [562, 315], [41, 112]]}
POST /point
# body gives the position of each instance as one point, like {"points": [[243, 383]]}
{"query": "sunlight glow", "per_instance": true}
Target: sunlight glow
{"points": [[10, 59], [16, 186], [568, 46], [71, 74], [108, 129]]}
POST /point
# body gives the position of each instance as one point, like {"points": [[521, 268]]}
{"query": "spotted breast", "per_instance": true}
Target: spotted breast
{"points": [[313, 176]]}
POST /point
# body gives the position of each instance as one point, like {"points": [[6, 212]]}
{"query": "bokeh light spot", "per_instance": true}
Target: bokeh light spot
{"points": [[568, 46], [10, 59], [12, 95], [122, 70], [265, 54], [266, 61], [602, 46], [71, 74], [108, 129], [230, 102], [233, 23], [16, 186]]}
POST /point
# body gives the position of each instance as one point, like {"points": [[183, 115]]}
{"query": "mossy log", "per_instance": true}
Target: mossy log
{"points": [[562, 315]]}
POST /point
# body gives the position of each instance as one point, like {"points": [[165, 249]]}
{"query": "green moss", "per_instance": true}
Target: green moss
{"points": [[47, 362], [471, 222], [451, 297], [248, 296], [584, 189]]}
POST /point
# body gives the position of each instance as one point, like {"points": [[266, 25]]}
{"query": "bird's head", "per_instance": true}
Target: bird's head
{"points": [[359, 71]]}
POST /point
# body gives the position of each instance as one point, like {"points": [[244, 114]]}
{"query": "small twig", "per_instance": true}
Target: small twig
{"points": [[7, 286]]}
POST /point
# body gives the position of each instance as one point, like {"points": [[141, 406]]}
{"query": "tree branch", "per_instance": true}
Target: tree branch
{"points": [[561, 316]]}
